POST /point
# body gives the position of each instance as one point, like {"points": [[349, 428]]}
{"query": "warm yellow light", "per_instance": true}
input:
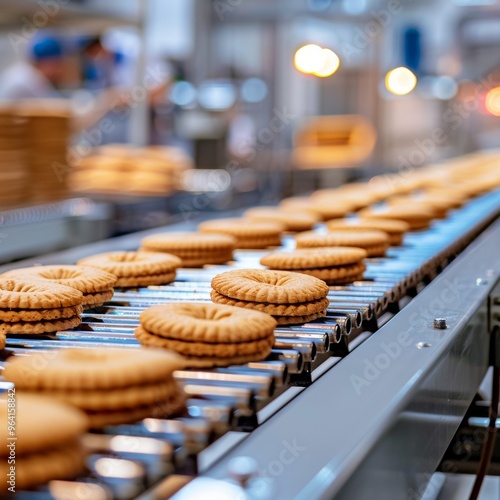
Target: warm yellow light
{"points": [[400, 81], [331, 63], [492, 101], [309, 58]]}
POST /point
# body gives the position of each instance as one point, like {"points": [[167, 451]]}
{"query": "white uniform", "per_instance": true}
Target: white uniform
{"points": [[24, 81]]}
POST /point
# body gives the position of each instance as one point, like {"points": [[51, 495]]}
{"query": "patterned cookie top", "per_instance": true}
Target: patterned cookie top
{"points": [[84, 279], [313, 258], [189, 241], [32, 294], [132, 264], [210, 323], [275, 287], [88, 369], [361, 238], [390, 226], [41, 423], [241, 227]]}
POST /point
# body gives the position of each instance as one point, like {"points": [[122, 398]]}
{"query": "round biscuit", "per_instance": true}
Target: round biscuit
{"points": [[205, 322], [301, 309], [133, 264], [39, 327], [275, 287], [313, 258], [41, 423], [298, 320], [84, 279], [15, 315], [91, 369], [201, 349], [33, 294], [176, 243]]}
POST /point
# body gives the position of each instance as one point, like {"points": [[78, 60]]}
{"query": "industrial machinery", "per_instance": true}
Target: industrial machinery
{"points": [[360, 404]]}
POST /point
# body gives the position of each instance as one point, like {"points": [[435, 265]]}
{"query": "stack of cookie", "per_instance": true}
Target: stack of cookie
{"points": [[291, 298], [194, 249], [335, 266], [133, 269], [37, 307], [208, 334], [293, 221], [47, 135], [248, 234], [416, 217], [374, 242], [395, 229], [112, 386], [122, 169], [14, 176], [47, 441], [96, 285], [324, 210]]}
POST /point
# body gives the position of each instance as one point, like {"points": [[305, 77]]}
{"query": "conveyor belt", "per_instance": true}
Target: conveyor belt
{"points": [[240, 398]]}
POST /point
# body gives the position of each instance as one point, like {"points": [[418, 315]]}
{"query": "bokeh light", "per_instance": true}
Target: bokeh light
{"points": [[331, 63], [309, 58], [492, 101], [312, 59], [400, 81]]}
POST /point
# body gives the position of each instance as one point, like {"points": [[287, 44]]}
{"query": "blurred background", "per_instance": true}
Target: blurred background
{"points": [[124, 115]]}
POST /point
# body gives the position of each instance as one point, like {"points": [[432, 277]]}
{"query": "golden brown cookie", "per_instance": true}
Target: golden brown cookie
{"points": [[208, 362], [248, 234], [3, 341], [201, 349], [182, 244], [93, 299], [39, 327], [118, 399], [32, 294], [374, 242], [437, 207], [84, 279], [40, 423], [133, 264], [292, 221], [208, 259], [300, 309], [298, 320], [275, 287], [337, 275], [91, 369], [15, 315], [313, 258], [394, 228], [416, 217], [210, 323], [152, 279], [61, 462]]}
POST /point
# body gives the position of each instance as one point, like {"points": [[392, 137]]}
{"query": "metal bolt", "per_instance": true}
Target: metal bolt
{"points": [[439, 324]]}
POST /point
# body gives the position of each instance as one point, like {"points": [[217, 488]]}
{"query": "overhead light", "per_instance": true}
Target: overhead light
{"points": [[183, 94], [400, 81], [312, 59], [253, 90], [216, 95], [331, 63], [309, 58], [492, 101]]}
